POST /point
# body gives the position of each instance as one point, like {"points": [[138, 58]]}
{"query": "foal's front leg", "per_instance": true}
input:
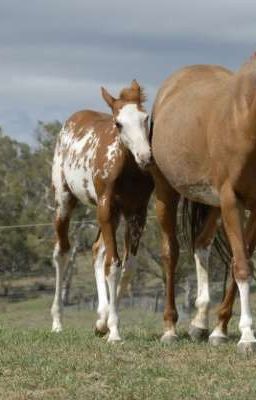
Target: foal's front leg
{"points": [[107, 219], [242, 274], [99, 254]]}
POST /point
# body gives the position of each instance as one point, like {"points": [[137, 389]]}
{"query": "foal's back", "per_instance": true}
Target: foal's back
{"points": [[87, 150]]}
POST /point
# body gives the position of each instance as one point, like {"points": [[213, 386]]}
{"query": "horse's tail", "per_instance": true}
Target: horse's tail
{"points": [[193, 216], [151, 129]]}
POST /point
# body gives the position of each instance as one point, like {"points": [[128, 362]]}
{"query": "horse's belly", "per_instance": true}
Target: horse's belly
{"points": [[201, 192], [80, 181]]}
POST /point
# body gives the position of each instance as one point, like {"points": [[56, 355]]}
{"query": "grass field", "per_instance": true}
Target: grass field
{"points": [[36, 364]]}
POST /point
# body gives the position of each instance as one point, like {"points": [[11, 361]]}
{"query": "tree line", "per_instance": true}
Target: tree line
{"points": [[26, 199]]}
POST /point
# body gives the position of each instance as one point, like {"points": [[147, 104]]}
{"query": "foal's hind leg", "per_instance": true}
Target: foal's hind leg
{"points": [[200, 324], [99, 253], [134, 228], [65, 205], [166, 208]]}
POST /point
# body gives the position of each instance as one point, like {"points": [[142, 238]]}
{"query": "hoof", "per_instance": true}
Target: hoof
{"points": [[169, 338], [56, 328], [246, 347], [217, 340], [101, 328], [198, 334], [114, 339], [100, 333]]}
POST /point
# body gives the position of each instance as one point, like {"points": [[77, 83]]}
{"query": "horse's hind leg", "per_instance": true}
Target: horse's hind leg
{"points": [[99, 253], [219, 333], [65, 204], [200, 324], [232, 215]]}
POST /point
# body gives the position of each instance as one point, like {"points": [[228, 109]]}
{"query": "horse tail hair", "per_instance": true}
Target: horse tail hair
{"points": [[151, 127], [193, 216]]}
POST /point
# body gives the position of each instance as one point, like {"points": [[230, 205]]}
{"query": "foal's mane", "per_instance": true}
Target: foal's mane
{"points": [[136, 95]]}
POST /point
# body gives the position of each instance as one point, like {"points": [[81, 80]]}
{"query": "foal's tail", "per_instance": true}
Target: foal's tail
{"points": [[193, 216]]}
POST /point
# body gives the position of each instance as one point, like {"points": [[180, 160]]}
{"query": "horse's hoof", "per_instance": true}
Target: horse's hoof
{"points": [[217, 340], [169, 338], [246, 347], [198, 334]]}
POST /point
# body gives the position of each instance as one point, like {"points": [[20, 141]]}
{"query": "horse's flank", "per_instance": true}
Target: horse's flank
{"points": [[204, 146], [210, 107]]}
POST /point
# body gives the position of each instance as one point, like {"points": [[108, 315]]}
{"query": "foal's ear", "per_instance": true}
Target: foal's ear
{"points": [[135, 85], [107, 97]]}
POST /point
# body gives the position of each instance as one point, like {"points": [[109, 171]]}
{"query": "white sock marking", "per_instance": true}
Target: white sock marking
{"points": [[245, 324], [112, 280], [201, 319], [59, 262], [103, 307]]}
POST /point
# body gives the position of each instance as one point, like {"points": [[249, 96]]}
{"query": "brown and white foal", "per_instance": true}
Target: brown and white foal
{"points": [[98, 157]]}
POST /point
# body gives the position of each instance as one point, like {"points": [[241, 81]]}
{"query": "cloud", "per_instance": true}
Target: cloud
{"points": [[56, 54]]}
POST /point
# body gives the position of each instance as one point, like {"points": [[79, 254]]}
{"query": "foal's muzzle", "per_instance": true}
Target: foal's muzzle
{"points": [[144, 160]]}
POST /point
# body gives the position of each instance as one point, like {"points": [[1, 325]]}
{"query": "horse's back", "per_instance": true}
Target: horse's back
{"points": [[185, 78]]}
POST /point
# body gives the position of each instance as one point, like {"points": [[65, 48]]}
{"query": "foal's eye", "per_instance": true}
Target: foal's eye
{"points": [[118, 125]]}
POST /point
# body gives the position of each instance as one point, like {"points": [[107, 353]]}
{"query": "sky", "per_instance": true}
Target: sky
{"points": [[56, 54]]}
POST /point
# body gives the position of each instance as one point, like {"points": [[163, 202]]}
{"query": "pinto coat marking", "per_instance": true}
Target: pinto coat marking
{"points": [[98, 158]]}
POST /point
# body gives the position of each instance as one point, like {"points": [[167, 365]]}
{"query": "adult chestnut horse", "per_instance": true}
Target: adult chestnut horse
{"points": [[204, 146], [98, 157]]}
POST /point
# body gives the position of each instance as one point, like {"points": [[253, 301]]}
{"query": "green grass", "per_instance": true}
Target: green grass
{"points": [[36, 364]]}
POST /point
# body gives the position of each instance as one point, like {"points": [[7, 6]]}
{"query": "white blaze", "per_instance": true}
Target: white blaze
{"points": [[133, 133]]}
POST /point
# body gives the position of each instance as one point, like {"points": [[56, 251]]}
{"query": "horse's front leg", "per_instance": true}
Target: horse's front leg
{"points": [[231, 215], [166, 208], [108, 222]]}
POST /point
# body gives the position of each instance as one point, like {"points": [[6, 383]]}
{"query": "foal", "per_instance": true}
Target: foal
{"points": [[99, 157]]}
